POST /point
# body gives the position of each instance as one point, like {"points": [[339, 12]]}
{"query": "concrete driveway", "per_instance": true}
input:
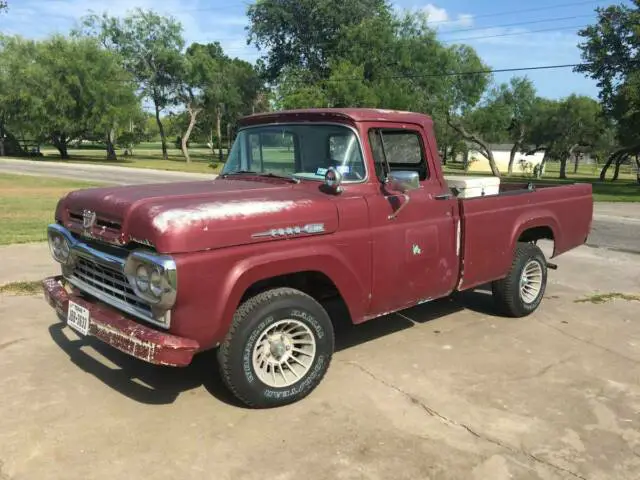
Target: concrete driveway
{"points": [[444, 391]]}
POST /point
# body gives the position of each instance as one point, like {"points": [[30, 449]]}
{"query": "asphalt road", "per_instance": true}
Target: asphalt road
{"points": [[97, 173], [615, 226]]}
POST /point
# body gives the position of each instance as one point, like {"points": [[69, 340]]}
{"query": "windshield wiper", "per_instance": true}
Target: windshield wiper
{"points": [[262, 174]]}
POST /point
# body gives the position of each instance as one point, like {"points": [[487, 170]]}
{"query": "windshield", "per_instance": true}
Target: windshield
{"points": [[297, 150]]}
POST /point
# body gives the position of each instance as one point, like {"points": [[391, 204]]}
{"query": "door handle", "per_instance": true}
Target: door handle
{"points": [[443, 196]]}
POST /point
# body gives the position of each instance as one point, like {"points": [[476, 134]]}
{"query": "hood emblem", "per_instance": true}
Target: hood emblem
{"points": [[308, 229], [88, 219]]}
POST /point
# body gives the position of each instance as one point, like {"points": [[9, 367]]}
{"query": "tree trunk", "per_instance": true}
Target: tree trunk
{"points": [[60, 142], [193, 115], [219, 131], [563, 167], [576, 164], [475, 139], [163, 139], [610, 160], [541, 165], [228, 139], [638, 168], [516, 147], [619, 161], [633, 149], [563, 161], [512, 157], [2, 136], [111, 151]]}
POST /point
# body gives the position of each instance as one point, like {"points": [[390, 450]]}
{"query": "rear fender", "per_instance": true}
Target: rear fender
{"points": [[528, 221]]}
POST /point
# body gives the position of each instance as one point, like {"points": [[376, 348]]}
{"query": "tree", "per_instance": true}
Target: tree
{"points": [[306, 33], [611, 54], [150, 46], [3, 5], [62, 89], [230, 88], [560, 127]]}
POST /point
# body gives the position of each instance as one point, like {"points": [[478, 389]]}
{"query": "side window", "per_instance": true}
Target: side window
{"points": [[402, 150]]}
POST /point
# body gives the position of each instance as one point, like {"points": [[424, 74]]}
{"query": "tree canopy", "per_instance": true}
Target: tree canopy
{"points": [[306, 33], [150, 46], [62, 89], [611, 54]]}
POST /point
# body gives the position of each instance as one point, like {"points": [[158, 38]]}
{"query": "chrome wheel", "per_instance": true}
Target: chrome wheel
{"points": [[531, 282], [284, 353]]}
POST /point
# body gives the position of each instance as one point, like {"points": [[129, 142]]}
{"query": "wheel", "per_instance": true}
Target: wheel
{"points": [[278, 348], [519, 294]]}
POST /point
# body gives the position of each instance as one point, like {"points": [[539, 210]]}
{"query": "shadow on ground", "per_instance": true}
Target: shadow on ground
{"points": [[155, 385]]}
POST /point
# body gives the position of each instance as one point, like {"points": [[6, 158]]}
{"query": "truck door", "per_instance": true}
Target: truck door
{"points": [[415, 255]]}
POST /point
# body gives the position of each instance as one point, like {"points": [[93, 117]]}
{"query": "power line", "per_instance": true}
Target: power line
{"points": [[526, 10], [516, 24], [458, 74], [513, 34], [461, 30]]}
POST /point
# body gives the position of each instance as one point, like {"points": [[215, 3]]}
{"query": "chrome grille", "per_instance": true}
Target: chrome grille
{"points": [[110, 283]]}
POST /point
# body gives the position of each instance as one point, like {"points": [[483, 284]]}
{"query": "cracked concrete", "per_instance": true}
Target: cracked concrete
{"points": [[451, 391]]}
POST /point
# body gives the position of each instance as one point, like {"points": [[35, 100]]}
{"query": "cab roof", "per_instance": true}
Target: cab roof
{"points": [[339, 115]]}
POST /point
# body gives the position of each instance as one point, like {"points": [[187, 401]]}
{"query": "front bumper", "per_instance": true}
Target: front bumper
{"points": [[128, 336]]}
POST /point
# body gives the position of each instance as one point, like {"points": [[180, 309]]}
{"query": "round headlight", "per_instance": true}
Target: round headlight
{"points": [[155, 283], [142, 278], [59, 248]]}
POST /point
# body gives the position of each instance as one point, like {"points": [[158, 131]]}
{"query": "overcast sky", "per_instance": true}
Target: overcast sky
{"points": [[506, 33]]}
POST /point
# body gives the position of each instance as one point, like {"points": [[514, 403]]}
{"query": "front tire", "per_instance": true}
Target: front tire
{"points": [[278, 348], [520, 293]]}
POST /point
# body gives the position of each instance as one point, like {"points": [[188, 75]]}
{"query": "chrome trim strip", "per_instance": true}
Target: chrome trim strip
{"points": [[120, 305]]}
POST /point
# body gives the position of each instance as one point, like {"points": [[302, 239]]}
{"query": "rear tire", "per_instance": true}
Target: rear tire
{"points": [[520, 293], [278, 348]]}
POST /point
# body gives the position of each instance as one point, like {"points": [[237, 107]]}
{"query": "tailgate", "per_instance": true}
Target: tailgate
{"points": [[493, 224]]}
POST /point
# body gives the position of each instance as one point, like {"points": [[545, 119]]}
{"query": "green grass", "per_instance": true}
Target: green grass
{"points": [[606, 297], [21, 288], [625, 189], [27, 205]]}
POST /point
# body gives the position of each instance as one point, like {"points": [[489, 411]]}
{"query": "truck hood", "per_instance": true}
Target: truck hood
{"points": [[201, 215]]}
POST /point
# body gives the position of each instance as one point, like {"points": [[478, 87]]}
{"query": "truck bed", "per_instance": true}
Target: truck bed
{"points": [[492, 225]]}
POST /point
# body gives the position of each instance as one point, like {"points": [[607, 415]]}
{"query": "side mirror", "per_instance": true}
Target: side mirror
{"points": [[403, 181], [333, 180]]}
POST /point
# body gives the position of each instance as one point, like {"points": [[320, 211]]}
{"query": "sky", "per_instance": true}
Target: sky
{"points": [[505, 33]]}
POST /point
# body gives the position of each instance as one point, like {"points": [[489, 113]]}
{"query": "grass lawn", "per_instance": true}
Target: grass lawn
{"points": [[27, 206], [625, 189]]}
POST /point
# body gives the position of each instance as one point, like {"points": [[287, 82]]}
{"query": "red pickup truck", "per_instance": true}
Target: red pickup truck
{"points": [[312, 206]]}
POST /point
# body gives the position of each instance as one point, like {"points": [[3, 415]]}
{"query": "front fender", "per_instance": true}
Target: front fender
{"points": [[323, 259]]}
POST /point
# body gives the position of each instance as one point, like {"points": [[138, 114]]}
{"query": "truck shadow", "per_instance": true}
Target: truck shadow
{"points": [[159, 385]]}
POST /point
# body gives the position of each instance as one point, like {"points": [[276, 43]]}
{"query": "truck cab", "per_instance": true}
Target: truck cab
{"points": [[311, 207]]}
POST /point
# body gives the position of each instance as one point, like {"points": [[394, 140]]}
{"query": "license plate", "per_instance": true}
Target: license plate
{"points": [[78, 318]]}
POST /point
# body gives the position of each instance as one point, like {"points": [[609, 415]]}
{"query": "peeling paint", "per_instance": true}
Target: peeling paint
{"points": [[181, 217], [140, 349]]}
